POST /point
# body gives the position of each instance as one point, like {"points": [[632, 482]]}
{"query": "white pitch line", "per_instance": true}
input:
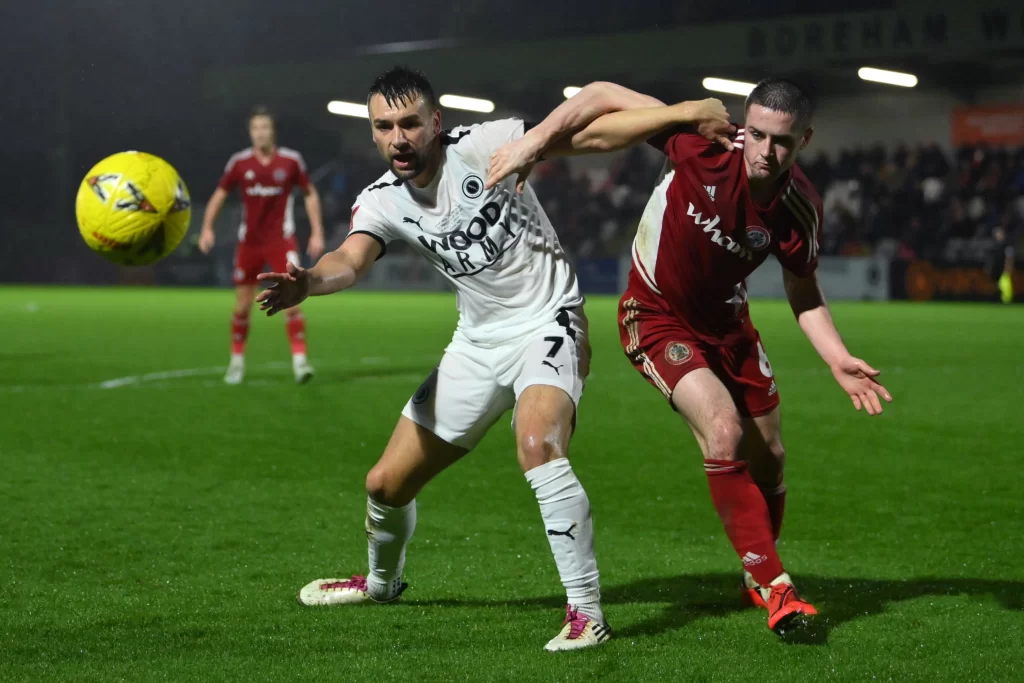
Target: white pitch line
{"points": [[177, 374], [154, 376], [132, 380], [199, 372]]}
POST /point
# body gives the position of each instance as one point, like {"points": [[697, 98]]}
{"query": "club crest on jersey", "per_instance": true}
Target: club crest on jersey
{"points": [[473, 186], [678, 353], [757, 237], [280, 175]]}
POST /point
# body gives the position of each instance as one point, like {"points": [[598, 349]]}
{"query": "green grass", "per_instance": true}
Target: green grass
{"points": [[160, 530]]}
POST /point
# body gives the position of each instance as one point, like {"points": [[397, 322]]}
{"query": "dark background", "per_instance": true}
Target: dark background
{"points": [[81, 80]]}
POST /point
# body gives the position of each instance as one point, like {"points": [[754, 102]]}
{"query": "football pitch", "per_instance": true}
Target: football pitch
{"points": [[157, 524]]}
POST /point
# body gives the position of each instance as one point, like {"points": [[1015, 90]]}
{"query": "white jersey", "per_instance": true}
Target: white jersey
{"points": [[497, 248]]}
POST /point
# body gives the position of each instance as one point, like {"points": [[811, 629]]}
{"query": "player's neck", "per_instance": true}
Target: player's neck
{"points": [[764, 190], [264, 152]]}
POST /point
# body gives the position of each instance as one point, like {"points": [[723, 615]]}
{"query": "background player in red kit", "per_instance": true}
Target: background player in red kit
{"points": [[717, 213], [266, 175]]}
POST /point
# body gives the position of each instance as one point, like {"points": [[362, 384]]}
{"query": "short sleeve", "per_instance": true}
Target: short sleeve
{"points": [[365, 220], [797, 248], [229, 178], [679, 144], [301, 172], [488, 137]]}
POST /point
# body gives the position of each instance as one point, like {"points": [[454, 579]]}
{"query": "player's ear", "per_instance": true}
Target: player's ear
{"points": [[808, 134], [436, 120]]}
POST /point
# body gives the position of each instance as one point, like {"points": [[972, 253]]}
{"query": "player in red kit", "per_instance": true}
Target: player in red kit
{"points": [[718, 211], [266, 175]]}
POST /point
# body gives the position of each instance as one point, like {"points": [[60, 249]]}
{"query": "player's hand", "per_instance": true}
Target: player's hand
{"points": [[858, 379], [315, 248], [285, 289], [519, 156], [712, 121], [206, 240]]}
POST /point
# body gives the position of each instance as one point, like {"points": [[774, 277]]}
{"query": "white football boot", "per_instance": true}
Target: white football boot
{"points": [[236, 370], [578, 631], [302, 369], [324, 592]]}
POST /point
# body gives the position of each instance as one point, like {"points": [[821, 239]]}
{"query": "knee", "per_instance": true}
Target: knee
{"points": [[722, 440], [243, 307], [384, 488], [536, 449], [245, 296]]}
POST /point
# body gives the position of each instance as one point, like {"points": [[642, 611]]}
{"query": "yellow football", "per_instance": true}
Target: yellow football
{"points": [[133, 208]]}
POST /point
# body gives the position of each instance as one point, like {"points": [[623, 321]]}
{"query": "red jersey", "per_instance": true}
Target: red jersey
{"points": [[266, 193], [702, 234]]}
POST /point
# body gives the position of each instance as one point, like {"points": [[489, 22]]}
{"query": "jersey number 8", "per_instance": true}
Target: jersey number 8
{"points": [[762, 361]]}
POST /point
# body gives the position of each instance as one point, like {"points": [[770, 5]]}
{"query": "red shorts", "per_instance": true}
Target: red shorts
{"points": [[664, 352], [251, 258]]}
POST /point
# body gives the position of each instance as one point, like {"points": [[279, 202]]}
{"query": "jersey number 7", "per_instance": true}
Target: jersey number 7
{"points": [[556, 345]]}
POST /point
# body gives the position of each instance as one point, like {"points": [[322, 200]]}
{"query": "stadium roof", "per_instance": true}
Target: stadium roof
{"points": [[952, 45]]}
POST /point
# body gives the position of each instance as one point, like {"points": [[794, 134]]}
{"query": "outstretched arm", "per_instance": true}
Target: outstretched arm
{"points": [[554, 132], [345, 266], [629, 125], [623, 129], [583, 108], [857, 378], [337, 270]]}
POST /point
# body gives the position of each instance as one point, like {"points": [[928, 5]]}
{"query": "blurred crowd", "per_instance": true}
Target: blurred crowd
{"points": [[906, 202], [918, 202]]}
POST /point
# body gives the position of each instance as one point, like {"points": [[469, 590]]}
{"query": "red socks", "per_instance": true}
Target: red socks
{"points": [[296, 326], [776, 501], [742, 508], [239, 333], [297, 332]]}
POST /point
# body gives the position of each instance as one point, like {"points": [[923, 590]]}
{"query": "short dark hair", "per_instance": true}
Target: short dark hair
{"points": [[783, 95], [260, 110], [401, 85]]}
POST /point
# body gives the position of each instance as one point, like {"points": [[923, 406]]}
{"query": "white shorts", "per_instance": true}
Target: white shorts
{"points": [[473, 385]]}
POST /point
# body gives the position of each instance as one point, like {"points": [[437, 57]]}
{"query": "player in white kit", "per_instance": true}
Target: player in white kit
{"points": [[521, 341]]}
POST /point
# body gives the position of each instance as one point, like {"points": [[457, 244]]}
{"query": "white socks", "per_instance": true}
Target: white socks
{"points": [[388, 531], [565, 508]]}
